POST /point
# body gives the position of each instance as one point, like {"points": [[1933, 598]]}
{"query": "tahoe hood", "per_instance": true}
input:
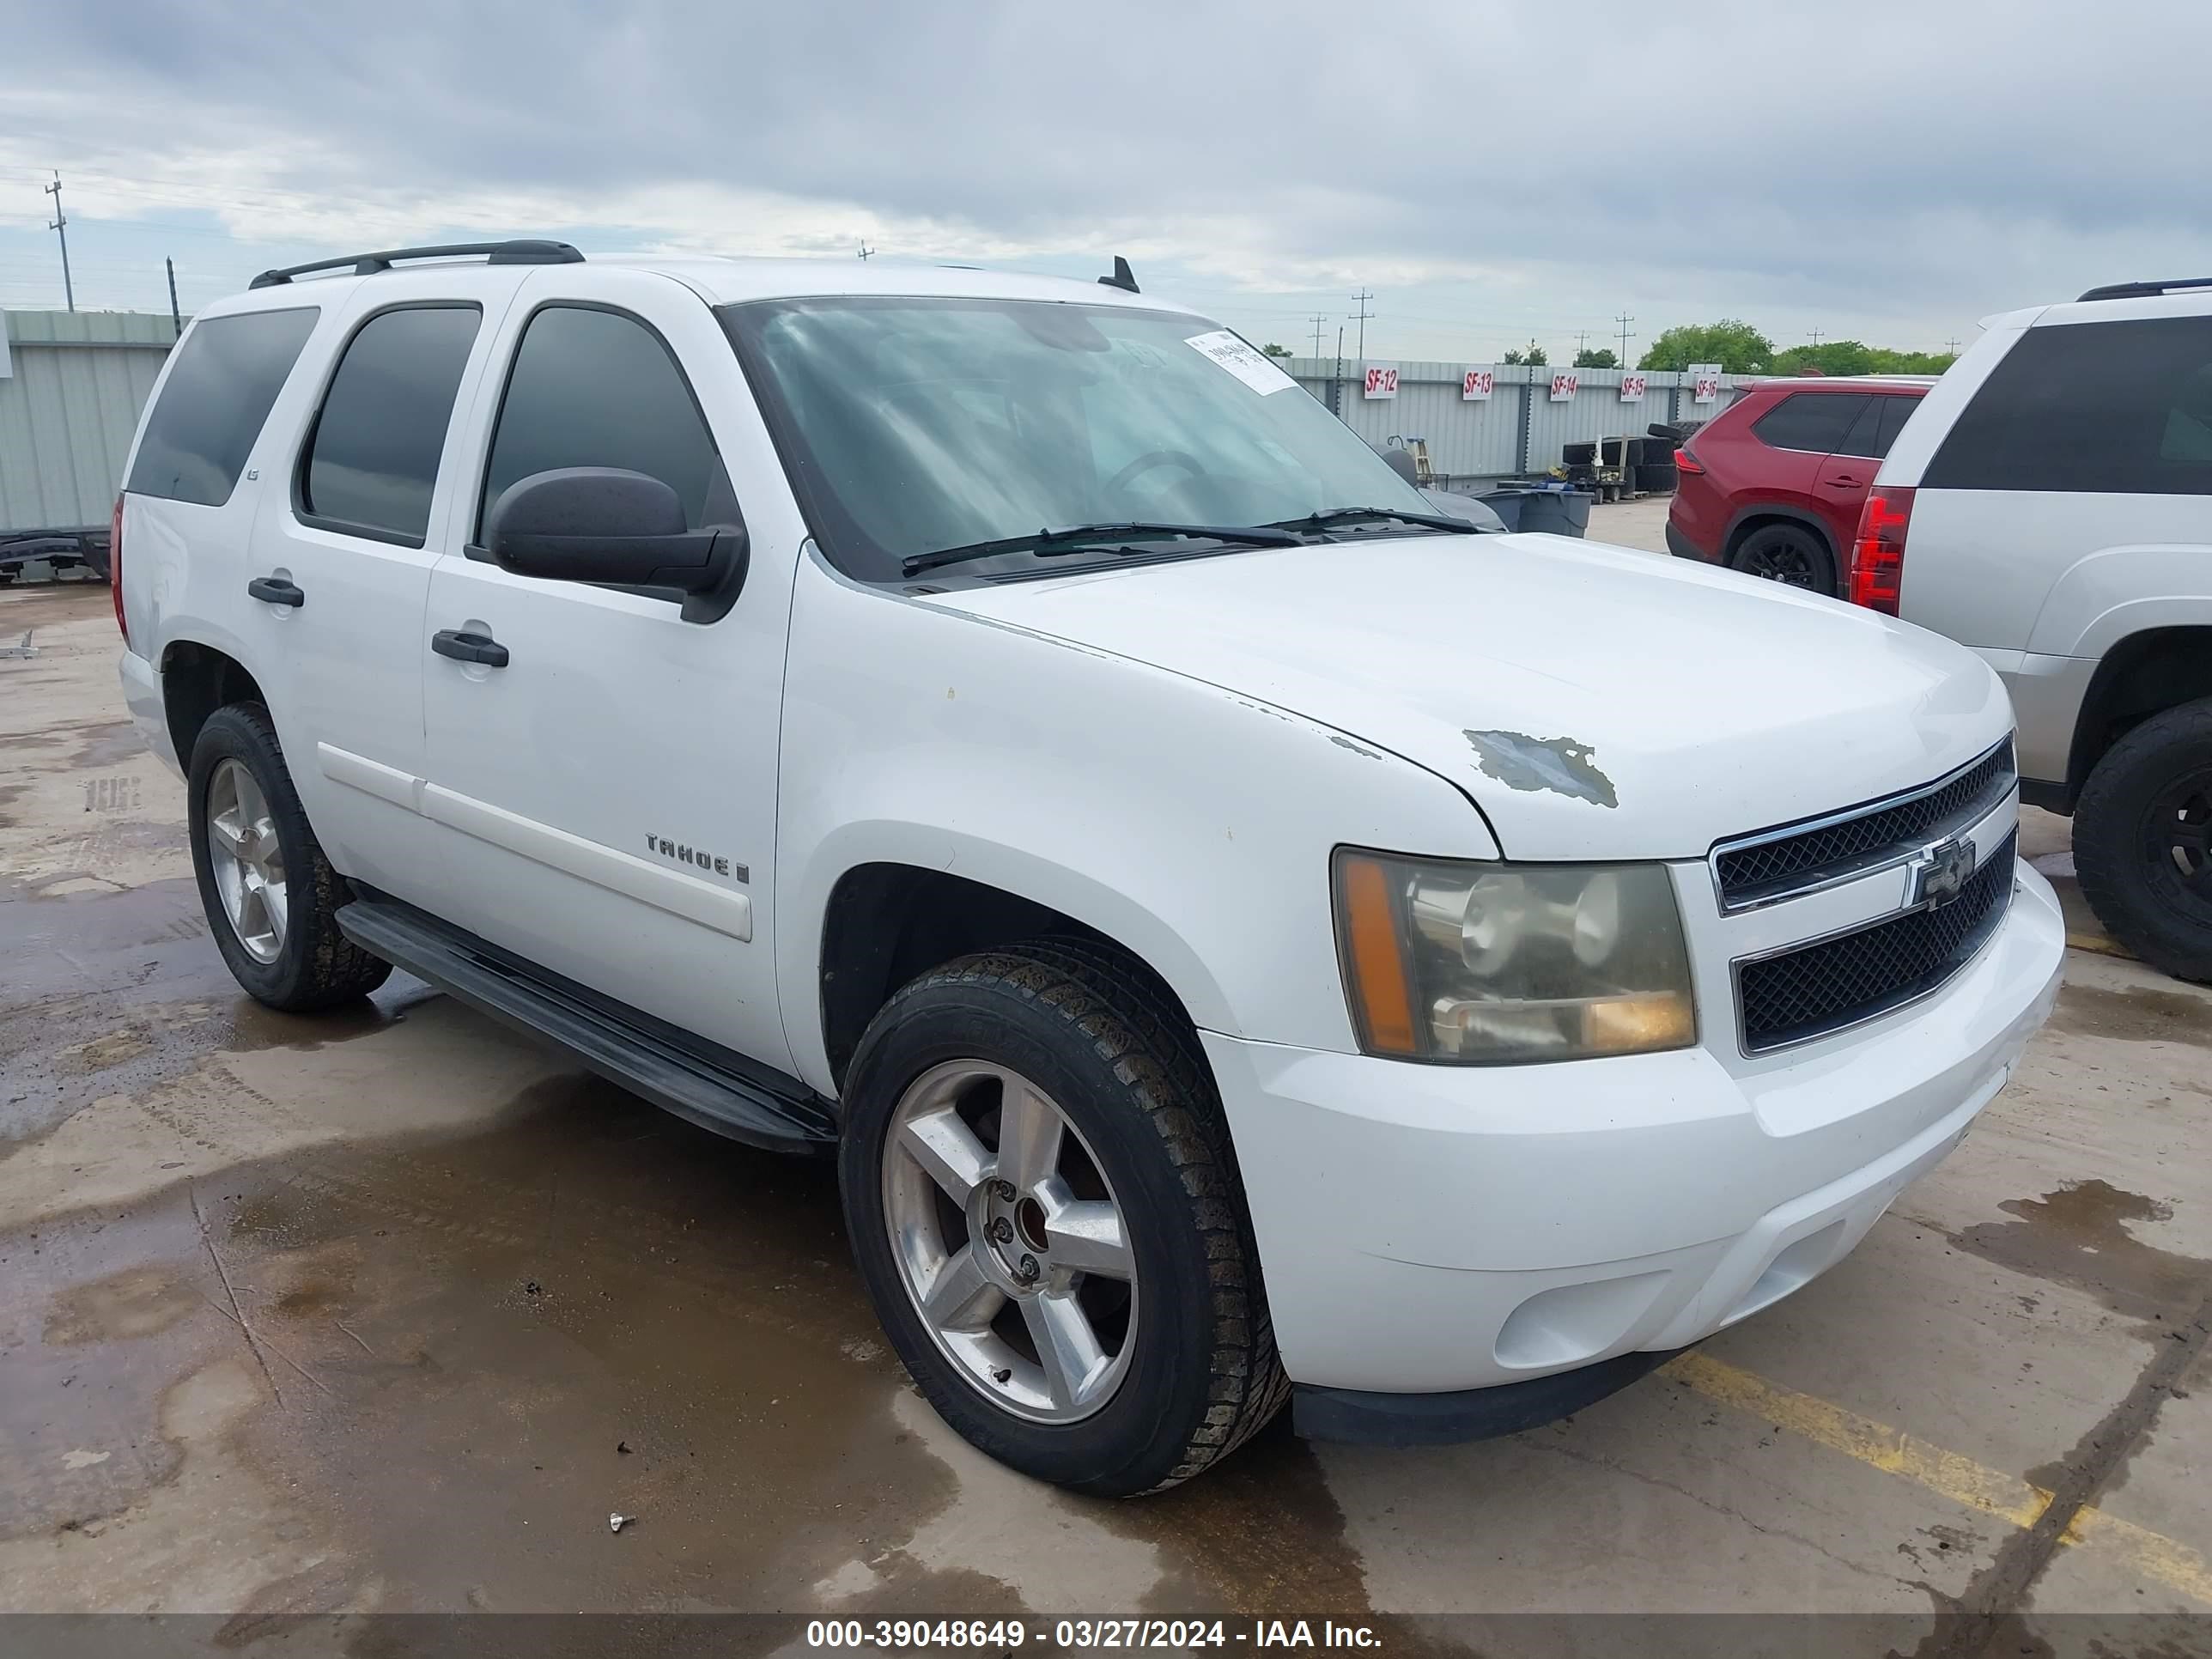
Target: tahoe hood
{"points": [[1595, 702]]}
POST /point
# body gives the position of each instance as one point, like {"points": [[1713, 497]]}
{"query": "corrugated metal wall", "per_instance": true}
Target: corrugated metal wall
{"points": [[79, 378], [68, 409], [1482, 439]]}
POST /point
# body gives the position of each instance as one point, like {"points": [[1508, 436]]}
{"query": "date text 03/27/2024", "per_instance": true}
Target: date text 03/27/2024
{"points": [[1003, 1634]]}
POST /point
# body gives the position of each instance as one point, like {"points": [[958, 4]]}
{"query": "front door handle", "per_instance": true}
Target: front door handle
{"points": [[275, 589], [468, 648]]}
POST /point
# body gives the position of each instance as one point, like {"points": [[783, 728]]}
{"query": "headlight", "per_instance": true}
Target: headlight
{"points": [[1489, 964]]}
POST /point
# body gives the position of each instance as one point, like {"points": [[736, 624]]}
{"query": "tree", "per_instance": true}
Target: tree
{"points": [[1737, 346], [1596, 357], [1849, 357], [1514, 356], [1531, 354], [1274, 350]]}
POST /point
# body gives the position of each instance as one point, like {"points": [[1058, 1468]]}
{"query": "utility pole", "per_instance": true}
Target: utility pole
{"points": [[60, 228], [1582, 341], [1625, 319], [1951, 346], [865, 250], [176, 317], [1317, 319], [1816, 336], [1361, 316]]}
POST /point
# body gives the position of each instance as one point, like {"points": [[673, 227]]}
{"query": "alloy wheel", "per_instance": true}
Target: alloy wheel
{"points": [[247, 860], [1010, 1241]]}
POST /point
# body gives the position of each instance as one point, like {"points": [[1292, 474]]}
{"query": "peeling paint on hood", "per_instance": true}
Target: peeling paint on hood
{"points": [[1559, 764]]}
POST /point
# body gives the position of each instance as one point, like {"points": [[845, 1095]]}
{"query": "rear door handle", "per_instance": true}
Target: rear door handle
{"points": [[1844, 484], [468, 648], [275, 589]]}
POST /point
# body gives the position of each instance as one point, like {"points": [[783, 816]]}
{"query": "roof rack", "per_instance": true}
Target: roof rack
{"points": [[367, 265], [2145, 290]]}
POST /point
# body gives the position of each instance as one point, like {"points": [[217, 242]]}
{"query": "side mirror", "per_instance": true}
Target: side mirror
{"points": [[607, 524]]}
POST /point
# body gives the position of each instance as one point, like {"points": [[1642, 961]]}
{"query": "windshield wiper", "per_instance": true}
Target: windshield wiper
{"points": [[1336, 515], [1049, 543]]}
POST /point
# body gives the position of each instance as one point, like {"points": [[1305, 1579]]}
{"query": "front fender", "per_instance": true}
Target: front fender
{"points": [[1191, 824]]}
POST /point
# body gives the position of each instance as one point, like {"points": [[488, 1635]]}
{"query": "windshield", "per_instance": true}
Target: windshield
{"points": [[911, 426]]}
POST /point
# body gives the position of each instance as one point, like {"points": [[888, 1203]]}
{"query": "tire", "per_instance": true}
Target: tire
{"points": [[1791, 554], [1195, 1372], [305, 962], [1656, 477], [2142, 841]]}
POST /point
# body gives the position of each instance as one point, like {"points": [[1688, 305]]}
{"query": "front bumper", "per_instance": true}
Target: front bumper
{"points": [[1428, 1230]]}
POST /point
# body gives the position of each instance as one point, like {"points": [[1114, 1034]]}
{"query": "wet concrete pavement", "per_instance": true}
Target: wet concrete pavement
{"points": [[390, 1309]]}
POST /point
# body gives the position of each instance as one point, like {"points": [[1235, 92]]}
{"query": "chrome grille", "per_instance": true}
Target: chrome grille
{"points": [[1779, 863], [1812, 990]]}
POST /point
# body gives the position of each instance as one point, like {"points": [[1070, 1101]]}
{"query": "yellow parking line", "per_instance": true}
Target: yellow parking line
{"points": [[2152, 1555], [2100, 945]]}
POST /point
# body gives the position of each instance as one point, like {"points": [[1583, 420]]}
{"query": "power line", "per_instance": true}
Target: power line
{"points": [[60, 228], [1361, 299]]}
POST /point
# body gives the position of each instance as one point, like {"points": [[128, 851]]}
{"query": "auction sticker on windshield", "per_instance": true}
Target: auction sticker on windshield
{"points": [[1240, 360]]}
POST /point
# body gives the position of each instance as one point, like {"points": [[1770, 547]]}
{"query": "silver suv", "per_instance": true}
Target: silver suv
{"points": [[2050, 505]]}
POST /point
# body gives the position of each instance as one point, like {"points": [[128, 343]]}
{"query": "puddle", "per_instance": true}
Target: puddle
{"points": [[2078, 1235]]}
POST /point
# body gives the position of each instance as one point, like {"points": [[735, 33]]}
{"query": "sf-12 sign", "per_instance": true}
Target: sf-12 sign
{"points": [[1382, 380], [1631, 387], [1476, 385], [1564, 387]]}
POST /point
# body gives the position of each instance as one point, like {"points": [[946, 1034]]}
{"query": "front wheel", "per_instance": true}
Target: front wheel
{"points": [[2142, 841], [1045, 1209]]}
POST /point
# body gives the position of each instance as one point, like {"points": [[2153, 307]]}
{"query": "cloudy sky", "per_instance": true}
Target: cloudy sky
{"points": [[1492, 171]]}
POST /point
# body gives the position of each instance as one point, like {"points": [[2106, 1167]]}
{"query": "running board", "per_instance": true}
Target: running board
{"points": [[717, 1089]]}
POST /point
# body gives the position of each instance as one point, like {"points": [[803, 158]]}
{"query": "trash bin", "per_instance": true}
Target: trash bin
{"points": [[1554, 509], [1506, 504]]}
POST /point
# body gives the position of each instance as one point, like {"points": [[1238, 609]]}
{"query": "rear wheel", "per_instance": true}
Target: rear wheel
{"points": [[1790, 554], [2142, 841], [1045, 1209], [271, 897]]}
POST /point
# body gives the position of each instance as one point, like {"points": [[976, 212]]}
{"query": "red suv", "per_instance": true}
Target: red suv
{"points": [[1773, 485]]}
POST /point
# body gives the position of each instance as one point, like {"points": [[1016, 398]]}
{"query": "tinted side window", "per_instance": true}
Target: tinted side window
{"points": [[1814, 421], [593, 388], [2123, 407], [1865, 433], [1895, 412], [372, 458], [227, 372]]}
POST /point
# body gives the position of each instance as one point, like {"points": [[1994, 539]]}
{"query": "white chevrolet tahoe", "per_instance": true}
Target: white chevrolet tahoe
{"points": [[2054, 494], [1243, 936]]}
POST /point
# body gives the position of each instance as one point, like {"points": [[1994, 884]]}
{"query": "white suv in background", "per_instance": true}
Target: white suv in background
{"points": [[2050, 504], [1242, 934]]}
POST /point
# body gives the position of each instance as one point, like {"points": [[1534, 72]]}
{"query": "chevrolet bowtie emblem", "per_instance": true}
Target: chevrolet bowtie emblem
{"points": [[1939, 873]]}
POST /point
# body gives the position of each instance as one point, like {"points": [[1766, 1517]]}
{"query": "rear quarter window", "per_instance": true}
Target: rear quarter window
{"points": [[2122, 408], [1816, 421], [227, 372]]}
